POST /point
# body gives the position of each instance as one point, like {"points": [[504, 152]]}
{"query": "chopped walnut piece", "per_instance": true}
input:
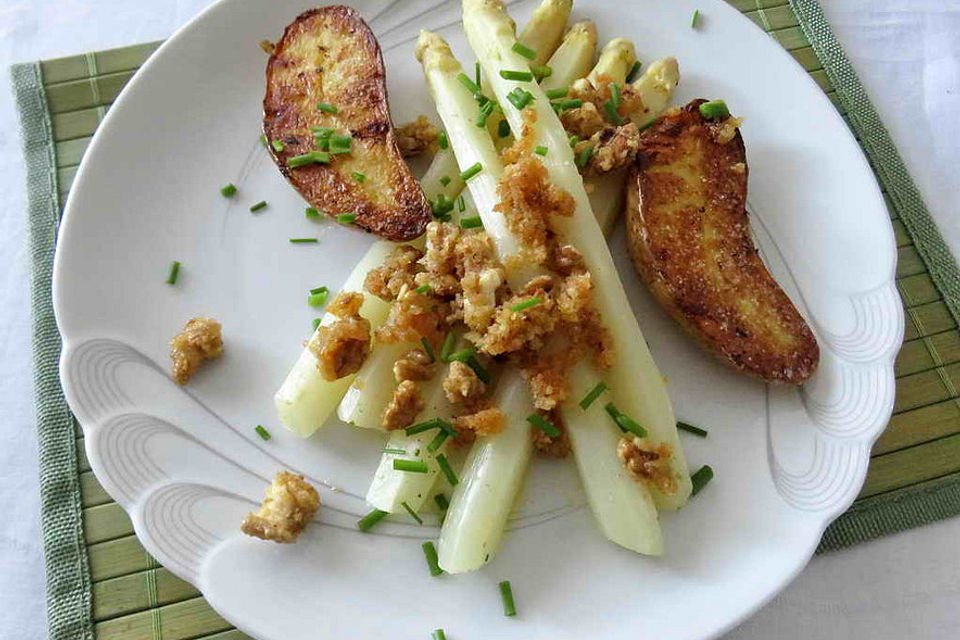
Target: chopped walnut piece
{"points": [[480, 297], [583, 121], [346, 304], [414, 316], [267, 47], [416, 137], [566, 260], [547, 378], [414, 365], [647, 462], [289, 505], [403, 407], [199, 341], [556, 447], [399, 270], [482, 423], [342, 347], [515, 330], [462, 384], [614, 148]]}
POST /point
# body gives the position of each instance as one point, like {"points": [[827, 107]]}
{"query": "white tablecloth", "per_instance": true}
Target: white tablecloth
{"points": [[907, 53]]}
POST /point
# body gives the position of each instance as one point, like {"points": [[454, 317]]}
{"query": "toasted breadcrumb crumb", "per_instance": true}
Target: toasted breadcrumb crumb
{"points": [[482, 423], [346, 304], [518, 330], [289, 505], [414, 365], [342, 347], [647, 462], [566, 260], [267, 47], [522, 146], [199, 342], [479, 300], [414, 316], [461, 384], [416, 137], [584, 121], [403, 407], [399, 270]]}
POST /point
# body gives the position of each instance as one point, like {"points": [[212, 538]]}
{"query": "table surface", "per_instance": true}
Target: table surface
{"points": [[907, 53]]}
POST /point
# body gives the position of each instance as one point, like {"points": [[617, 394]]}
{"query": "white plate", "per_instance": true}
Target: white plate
{"points": [[186, 463]]}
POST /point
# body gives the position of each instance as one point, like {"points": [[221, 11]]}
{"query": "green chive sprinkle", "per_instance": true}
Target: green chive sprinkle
{"points": [[461, 204], [506, 595], [314, 157], [634, 70], [526, 304], [695, 19], [340, 143], [441, 501], [448, 344], [471, 171], [263, 140], [611, 111], [359, 177], [468, 357], [445, 180], [625, 422], [420, 427], [476, 75], [366, 522], [541, 71], [395, 451], [316, 323], [592, 395], [573, 103], [311, 212], [519, 76], [277, 145], [174, 272], [317, 299], [503, 129], [322, 132], [441, 207], [574, 139], [411, 466], [700, 479], [326, 107], [433, 562], [438, 440], [520, 98], [540, 151], [584, 157], [438, 634], [715, 109], [526, 52], [543, 424], [302, 240], [413, 514], [447, 470], [485, 112], [442, 140], [228, 190], [615, 94], [461, 356], [697, 431], [258, 206], [472, 222], [263, 433], [320, 290], [424, 288], [559, 92], [470, 85], [347, 218], [426, 346]]}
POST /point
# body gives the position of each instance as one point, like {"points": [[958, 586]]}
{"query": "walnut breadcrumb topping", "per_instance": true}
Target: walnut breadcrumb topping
{"points": [[399, 270], [462, 384], [414, 365], [403, 407], [199, 342], [613, 148], [482, 423], [479, 299], [584, 121], [289, 505], [647, 462], [342, 347], [522, 146], [414, 316], [513, 331], [416, 137], [346, 304], [552, 447]]}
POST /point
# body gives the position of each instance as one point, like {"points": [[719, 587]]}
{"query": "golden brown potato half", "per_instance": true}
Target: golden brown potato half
{"points": [[689, 238], [330, 55]]}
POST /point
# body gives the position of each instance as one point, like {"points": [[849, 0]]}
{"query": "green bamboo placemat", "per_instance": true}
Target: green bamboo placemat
{"points": [[102, 583]]}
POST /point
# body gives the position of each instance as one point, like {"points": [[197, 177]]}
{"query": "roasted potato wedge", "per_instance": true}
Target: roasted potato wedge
{"points": [[330, 55], [689, 239]]}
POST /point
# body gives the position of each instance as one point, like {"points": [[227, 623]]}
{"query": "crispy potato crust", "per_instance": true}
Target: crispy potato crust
{"points": [[689, 239], [331, 55]]}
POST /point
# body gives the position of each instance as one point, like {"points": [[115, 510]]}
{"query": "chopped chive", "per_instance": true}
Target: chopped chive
{"points": [[413, 514], [277, 145], [438, 634], [174, 272], [611, 112], [470, 85], [323, 144], [311, 212], [584, 157], [520, 98], [317, 299], [540, 151], [424, 288], [394, 450], [472, 222], [326, 107], [447, 470], [519, 76], [302, 160], [445, 180], [359, 177], [461, 356], [426, 346], [471, 171], [697, 431], [574, 139], [485, 112], [433, 562], [506, 596], [441, 501], [541, 71], [322, 132], [448, 344], [258, 206], [559, 92], [478, 369], [526, 304], [634, 70], [347, 218], [263, 433], [442, 140], [316, 323], [340, 143], [461, 204], [438, 440], [263, 139], [476, 75], [592, 395], [526, 52], [302, 240], [700, 479], [543, 424], [411, 466], [228, 190], [320, 290], [441, 207], [695, 19], [503, 129], [625, 422], [420, 427], [715, 109], [573, 103], [615, 94], [366, 522]]}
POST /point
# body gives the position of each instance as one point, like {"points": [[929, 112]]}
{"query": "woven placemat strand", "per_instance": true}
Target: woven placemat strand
{"points": [[102, 583]]}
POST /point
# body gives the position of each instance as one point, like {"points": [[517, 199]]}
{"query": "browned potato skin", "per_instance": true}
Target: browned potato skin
{"points": [[331, 55], [689, 239]]}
